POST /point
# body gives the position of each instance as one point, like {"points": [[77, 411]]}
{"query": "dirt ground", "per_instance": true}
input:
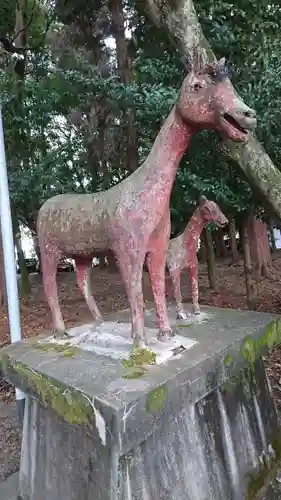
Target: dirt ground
{"points": [[110, 295]]}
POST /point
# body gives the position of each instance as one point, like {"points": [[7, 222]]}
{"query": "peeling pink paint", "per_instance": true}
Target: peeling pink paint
{"points": [[132, 219], [182, 251]]}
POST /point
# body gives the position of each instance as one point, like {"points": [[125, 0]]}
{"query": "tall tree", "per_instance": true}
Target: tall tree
{"points": [[259, 246], [250, 289], [233, 240], [211, 258], [21, 139], [125, 74]]}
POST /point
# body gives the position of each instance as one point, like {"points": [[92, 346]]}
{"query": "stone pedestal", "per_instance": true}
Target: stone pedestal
{"points": [[200, 424]]}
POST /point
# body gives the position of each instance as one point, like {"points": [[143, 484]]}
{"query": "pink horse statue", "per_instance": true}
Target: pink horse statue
{"points": [[182, 251], [132, 219]]}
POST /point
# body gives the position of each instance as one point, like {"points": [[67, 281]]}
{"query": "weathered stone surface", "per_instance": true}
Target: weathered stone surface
{"points": [[8, 489], [192, 427], [207, 450]]}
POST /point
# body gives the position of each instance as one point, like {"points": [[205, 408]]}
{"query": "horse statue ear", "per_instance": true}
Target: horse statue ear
{"points": [[201, 200]]}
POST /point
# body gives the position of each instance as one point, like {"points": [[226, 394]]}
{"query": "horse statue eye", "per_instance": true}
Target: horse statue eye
{"points": [[197, 86]]}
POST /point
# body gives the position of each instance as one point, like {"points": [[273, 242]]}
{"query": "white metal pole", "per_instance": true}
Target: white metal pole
{"points": [[9, 259]]}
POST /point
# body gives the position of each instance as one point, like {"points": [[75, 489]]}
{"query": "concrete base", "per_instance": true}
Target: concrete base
{"points": [[198, 425], [8, 489]]}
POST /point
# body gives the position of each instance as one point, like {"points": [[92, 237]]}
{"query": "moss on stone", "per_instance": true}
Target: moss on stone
{"points": [[257, 480], [229, 386], [134, 373], [66, 349], [245, 379], [156, 398], [135, 364], [252, 349], [139, 356], [69, 353], [228, 360], [69, 404], [248, 350], [267, 470]]}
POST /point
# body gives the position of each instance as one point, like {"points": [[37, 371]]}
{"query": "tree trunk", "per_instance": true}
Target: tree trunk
{"points": [[240, 241], [202, 250], [224, 252], [20, 37], [25, 287], [247, 266], [223, 245], [124, 70], [112, 264], [259, 246], [211, 260], [38, 254], [180, 20], [102, 262], [32, 226], [218, 247], [233, 240], [272, 237], [21, 137]]}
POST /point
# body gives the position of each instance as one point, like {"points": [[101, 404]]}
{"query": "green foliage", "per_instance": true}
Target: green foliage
{"points": [[7, 16], [43, 162]]}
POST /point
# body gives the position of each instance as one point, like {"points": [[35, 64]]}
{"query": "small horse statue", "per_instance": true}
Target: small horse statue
{"points": [[182, 251]]}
